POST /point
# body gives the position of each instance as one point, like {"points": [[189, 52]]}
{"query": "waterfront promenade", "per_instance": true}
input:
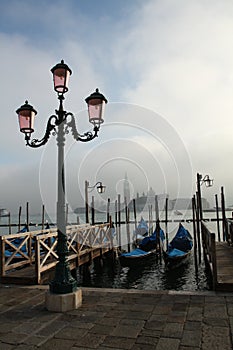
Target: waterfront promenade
{"points": [[117, 319]]}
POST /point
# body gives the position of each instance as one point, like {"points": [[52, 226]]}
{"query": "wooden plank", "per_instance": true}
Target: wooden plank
{"points": [[224, 255]]}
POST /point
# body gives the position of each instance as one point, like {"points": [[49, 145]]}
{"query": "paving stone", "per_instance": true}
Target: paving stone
{"points": [[131, 322], [191, 338], [155, 324], [173, 330], [162, 309], [215, 338], [27, 327], [192, 325], [194, 314], [57, 344], [215, 311], [179, 307], [6, 326], [178, 317], [147, 340], [26, 347], [70, 333], [35, 340], [216, 322], [127, 331], [12, 338], [4, 346], [108, 321], [167, 343], [89, 340], [143, 347], [151, 332], [118, 342], [102, 329], [52, 328]]}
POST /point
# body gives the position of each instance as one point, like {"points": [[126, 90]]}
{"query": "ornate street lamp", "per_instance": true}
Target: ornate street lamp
{"points": [[60, 123], [208, 183], [100, 189]]}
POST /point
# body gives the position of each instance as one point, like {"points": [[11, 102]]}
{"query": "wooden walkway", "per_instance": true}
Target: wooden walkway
{"points": [[219, 257], [33, 258], [224, 261]]}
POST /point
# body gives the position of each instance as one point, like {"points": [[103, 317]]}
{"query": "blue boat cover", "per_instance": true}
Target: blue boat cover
{"points": [[182, 240], [150, 242], [135, 252], [175, 252]]}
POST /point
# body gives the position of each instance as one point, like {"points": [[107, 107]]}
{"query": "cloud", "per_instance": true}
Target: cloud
{"points": [[172, 58]]}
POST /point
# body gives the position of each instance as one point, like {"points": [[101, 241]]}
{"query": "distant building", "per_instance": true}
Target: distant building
{"points": [[142, 202], [186, 203], [126, 189], [181, 203]]}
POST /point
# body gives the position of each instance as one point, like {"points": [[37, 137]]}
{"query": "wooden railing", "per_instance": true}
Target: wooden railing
{"points": [[39, 247], [229, 231], [209, 249]]}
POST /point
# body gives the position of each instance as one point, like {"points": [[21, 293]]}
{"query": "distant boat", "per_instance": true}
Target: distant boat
{"points": [[4, 212], [177, 212], [179, 248]]}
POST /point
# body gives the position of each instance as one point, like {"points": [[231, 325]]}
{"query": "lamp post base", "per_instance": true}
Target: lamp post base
{"points": [[57, 287], [63, 302], [63, 281]]}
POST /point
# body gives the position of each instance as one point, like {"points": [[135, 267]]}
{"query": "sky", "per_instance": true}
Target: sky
{"points": [[166, 68]]}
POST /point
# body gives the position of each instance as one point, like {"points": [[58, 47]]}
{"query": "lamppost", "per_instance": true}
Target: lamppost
{"points": [[100, 189], [60, 123], [208, 183]]}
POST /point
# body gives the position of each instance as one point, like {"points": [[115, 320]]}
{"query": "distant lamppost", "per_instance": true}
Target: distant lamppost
{"points": [[60, 123], [100, 189], [208, 183]]}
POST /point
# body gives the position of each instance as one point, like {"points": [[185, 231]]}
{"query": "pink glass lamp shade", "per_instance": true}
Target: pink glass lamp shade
{"points": [[61, 73], [26, 114], [96, 102]]}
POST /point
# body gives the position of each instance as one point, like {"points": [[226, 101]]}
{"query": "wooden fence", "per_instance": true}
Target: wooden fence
{"points": [[38, 248], [209, 250]]}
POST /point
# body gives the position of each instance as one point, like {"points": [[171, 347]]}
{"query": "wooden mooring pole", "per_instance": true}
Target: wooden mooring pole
{"points": [[217, 215], [198, 229], [27, 215], [194, 210], [93, 210], [108, 210], [119, 220], [135, 214], [224, 223], [43, 217], [166, 222], [156, 208], [19, 218]]}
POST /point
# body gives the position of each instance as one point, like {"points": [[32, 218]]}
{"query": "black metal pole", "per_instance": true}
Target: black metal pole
{"points": [[63, 281], [199, 195], [86, 201]]}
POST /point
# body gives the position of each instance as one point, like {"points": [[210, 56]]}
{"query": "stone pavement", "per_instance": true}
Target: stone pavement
{"points": [[117, 319]]}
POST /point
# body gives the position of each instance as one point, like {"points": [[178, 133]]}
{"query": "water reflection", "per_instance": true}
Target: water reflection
{"points": [[152, 275]]}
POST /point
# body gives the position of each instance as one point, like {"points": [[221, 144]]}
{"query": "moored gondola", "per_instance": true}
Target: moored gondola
{"points": [[179, 248]]}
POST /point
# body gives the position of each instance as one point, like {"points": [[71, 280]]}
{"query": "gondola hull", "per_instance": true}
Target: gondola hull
{"points": [[176, 260], [179, 249], [137, 256]]}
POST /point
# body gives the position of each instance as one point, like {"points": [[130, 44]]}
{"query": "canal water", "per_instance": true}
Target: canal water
{"points": [[152, 275]]}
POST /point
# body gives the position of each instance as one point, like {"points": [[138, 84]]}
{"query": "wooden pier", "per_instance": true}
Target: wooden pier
{"points": [[30, 258], [219, 257]]}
